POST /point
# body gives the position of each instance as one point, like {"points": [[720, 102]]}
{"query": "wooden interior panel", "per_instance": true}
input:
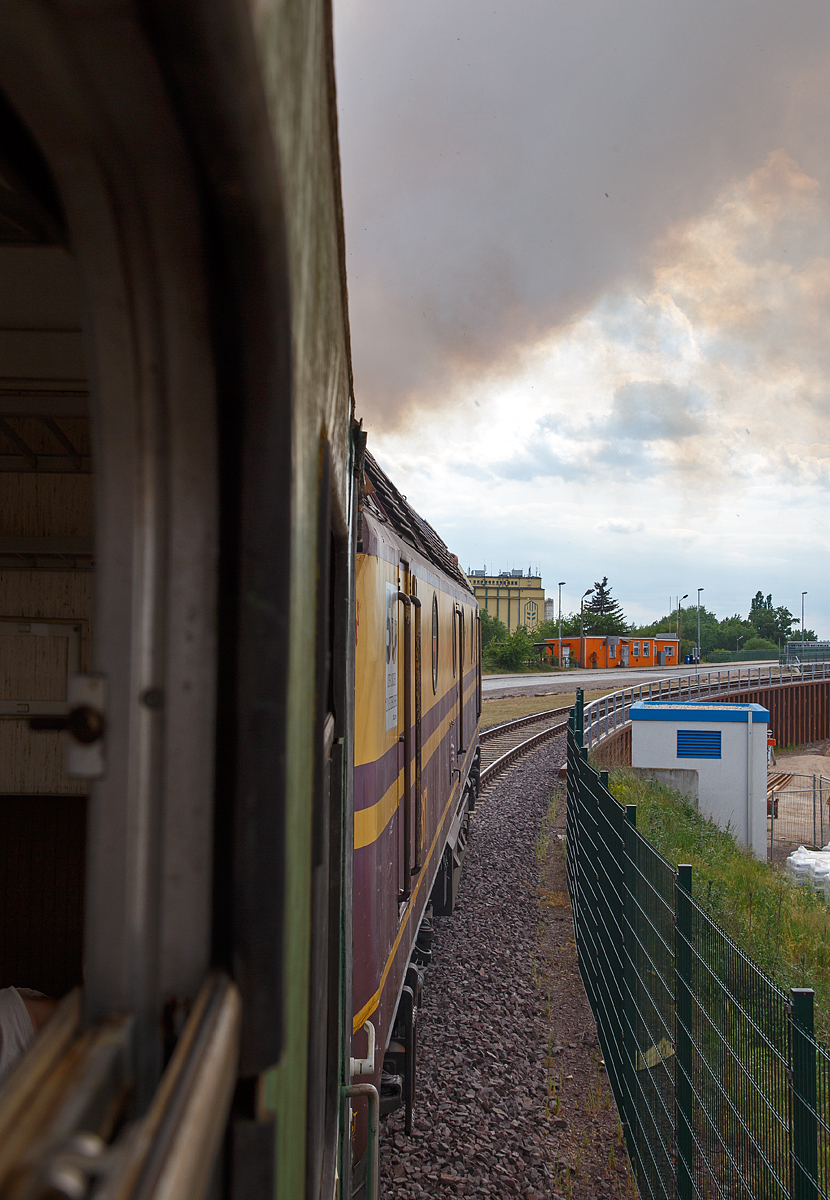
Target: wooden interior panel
{"points": [[33, 668], [33, 595], [32, 763], [40, 504], [42, 864]]}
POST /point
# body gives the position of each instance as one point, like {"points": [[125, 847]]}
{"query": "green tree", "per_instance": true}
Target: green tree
{"points": [[731, 630], [604, 614], [550, 629], [492, 629], [513, 651], [768, 621]]}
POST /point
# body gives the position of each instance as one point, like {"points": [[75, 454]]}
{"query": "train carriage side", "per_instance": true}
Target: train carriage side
{"points": [[416, 768], [176, 581]]}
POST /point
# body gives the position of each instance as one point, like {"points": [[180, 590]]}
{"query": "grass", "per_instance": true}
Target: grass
{"points": [[493, 712], [784, 929], [538, 668]]}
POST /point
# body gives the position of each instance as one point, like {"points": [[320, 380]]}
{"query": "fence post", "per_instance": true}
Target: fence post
{"points": [[804, 1136], [579, 717], [629, 1115], [815, 843], [683, 1032]]}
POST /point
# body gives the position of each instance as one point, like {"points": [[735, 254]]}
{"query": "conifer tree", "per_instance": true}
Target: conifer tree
{"points": [[604, 614]]}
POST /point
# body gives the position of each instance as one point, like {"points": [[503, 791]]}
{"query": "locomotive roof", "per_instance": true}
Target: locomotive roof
{"points": [[386, 503]]}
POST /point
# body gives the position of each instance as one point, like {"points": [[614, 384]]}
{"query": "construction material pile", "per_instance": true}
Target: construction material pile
{"points": [[810, 868]]}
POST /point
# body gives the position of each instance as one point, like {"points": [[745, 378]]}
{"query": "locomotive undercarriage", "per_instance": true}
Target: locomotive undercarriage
{"points": [[400, 1060]]}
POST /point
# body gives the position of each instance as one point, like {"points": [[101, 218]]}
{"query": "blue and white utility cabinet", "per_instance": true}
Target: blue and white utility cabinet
{"points": [[726, 744]]}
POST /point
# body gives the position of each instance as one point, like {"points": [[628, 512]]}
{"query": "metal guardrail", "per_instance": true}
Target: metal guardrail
{"points": [[721, 1087], [604, 716]]}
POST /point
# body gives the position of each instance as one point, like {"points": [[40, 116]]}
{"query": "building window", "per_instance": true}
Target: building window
{"points": [[434, 644], [646, 649], [669, 651], [635, 649]]}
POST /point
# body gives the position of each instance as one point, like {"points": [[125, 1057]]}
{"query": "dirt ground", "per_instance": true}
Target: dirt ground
{"points": [[583, 1129], [508, 708], [811, 759]]}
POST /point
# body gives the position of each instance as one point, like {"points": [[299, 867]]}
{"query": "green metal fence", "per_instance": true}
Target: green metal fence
{"points": [[721, 1087]]}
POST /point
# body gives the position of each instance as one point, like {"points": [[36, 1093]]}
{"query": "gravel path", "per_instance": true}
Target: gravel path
{"points": [[512, 1094], [480, 1122]]}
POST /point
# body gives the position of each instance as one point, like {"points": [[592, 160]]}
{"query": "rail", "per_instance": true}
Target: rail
{"points": [[494, 730], [609, 713], [495, 768]]}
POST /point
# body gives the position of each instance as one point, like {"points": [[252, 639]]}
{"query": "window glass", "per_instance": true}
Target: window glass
{"points": [[434, 643], [454, 644]]}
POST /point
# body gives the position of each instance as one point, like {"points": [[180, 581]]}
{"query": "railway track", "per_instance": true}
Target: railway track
{"points": [[502, 744]]}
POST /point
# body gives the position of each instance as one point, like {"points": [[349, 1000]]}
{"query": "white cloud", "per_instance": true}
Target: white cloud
{"points": [[618, 525], [690, 413]]}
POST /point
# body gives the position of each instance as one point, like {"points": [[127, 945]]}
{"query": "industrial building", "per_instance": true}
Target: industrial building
{"points": [[510, 596]]}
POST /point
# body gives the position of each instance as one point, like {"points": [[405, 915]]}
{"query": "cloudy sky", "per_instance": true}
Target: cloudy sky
{"points": [[588, 249]]}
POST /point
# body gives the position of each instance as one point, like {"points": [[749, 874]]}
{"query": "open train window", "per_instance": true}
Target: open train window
{"points": [[46, 576], [434, 644]]}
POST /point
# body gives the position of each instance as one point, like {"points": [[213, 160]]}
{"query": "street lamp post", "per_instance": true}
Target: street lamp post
{"points": [[680, 600], [699, 590], [738, 641], [582, 629], [803, 594], [562, 583]]}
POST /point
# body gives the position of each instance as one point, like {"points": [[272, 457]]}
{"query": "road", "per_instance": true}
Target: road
{"points": [[544, 682]]}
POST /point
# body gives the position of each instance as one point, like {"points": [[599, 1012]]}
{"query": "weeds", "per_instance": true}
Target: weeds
{"points": [[781, 927]]}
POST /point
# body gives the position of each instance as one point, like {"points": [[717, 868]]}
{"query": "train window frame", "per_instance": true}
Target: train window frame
{"points": [[454, 643], [435, 643], [462, 638]]}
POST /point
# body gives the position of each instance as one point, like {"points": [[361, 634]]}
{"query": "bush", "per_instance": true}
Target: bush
{"points": [[513, 652], [759, 643]]}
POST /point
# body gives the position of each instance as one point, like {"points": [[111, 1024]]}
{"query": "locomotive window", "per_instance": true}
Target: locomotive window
{"points": [[434, 644], [461, 638], [454, 644]]}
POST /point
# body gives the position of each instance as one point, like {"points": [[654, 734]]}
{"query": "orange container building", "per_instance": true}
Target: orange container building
{"points": [[614, 651]]}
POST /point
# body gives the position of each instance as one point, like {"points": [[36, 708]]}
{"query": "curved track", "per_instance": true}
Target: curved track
{"points": [[501, 745]]}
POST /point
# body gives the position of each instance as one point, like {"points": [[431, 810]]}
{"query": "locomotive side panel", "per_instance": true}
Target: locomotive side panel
{"points": [[386, 919]]}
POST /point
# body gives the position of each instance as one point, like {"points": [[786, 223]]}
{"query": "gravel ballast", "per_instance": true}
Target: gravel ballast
{"points": [[511, 1099]]}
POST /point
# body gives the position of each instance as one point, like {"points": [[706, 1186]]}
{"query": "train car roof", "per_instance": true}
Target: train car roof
{"points": [[386, 504]]}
